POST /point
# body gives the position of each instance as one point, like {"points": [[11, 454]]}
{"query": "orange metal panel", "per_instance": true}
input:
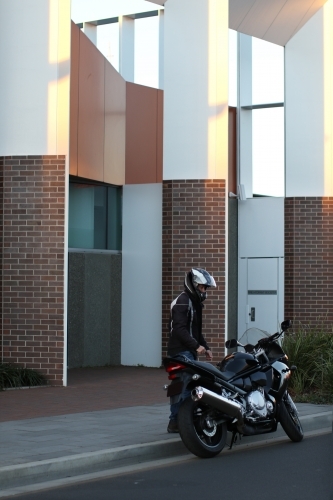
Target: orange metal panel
{"points": [[159, 160], [141, 134], [74, 98], [91, 111], [115, 126]]}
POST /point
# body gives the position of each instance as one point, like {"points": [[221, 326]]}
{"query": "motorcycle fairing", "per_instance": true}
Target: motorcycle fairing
{"points": [[281, 376]]}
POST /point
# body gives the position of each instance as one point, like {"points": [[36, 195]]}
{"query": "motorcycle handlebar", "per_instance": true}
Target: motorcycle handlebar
{"points": [[266, 340]]}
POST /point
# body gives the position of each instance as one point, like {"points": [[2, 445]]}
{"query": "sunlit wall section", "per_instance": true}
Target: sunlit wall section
{"points": [[34, 97], [309, 114], [233, 68], [196, 90]]}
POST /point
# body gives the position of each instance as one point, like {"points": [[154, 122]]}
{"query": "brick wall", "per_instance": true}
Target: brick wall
{"points": [[309, 260], [32, 284], [194, 236]]}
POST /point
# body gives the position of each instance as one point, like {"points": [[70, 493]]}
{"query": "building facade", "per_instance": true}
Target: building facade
{"points": [[112, 190]]}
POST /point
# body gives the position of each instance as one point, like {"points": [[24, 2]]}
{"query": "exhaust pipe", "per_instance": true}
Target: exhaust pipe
{"points": [[221, 403]]}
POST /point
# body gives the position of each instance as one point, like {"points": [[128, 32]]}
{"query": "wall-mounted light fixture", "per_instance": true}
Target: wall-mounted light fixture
{"points": [[240, 193]]}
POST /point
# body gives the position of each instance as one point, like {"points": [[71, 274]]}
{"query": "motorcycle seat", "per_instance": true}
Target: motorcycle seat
{"points": [[212, 369]]}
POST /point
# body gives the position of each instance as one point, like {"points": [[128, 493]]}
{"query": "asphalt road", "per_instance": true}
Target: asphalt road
{"points": [[302, 471]]}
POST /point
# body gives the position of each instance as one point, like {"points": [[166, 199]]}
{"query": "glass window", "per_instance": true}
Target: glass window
{"points": [[114, 219], [146, 62], [108, 42], [268, 151], [100, 219], [81, 216], [94, 216], [267, 72]]}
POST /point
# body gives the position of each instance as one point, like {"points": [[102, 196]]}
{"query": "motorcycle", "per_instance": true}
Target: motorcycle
{"points": [[245, 394]]}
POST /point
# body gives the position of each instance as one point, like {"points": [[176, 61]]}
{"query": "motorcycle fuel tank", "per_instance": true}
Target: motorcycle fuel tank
{"points": [[238, 362]]}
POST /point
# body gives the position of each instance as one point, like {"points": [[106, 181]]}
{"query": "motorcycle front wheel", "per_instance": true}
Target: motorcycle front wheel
{"points": [[289, 419], [199, 432]]}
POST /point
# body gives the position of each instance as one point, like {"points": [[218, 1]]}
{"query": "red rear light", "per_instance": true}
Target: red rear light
{"points": [[171, 367]]}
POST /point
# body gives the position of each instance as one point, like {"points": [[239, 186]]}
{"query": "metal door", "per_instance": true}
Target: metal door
{"points": [[262, 291], [262, 294]]}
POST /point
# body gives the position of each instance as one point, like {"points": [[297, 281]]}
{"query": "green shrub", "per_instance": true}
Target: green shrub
{"points": [[311, 350], [14, 376]]}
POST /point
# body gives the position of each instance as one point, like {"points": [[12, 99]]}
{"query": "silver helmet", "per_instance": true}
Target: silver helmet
{"points": [[198, 276]]}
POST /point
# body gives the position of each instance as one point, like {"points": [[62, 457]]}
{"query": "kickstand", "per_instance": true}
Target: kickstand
{"points": [[233, 439]]}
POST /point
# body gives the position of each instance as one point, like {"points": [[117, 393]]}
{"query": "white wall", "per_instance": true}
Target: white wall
{"points": [[35, 65], [141, 318], [261, 227], [309, 109], [195, 89]]}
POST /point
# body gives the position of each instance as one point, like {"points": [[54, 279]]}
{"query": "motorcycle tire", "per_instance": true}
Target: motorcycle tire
{"points": [[200, 434], [289, 419]]}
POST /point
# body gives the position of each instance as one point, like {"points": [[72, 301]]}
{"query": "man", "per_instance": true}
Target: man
{"points": [[185, 328]]}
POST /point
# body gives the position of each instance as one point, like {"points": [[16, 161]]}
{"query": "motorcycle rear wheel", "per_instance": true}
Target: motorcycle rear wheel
{"points": [[200, 434], [289, 419]]}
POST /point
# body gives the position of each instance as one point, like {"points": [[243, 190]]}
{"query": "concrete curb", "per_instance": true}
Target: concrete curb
{"points": [[73, 465]]}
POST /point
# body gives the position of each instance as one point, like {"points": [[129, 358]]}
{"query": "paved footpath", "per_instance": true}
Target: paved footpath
{"points": [[106, 417]]}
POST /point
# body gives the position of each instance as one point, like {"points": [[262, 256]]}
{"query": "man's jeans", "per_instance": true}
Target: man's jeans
{"points": [[174, 408]]}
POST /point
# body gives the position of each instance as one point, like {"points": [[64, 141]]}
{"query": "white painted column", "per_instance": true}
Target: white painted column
{"points": [[161, 49], [90, 30], [196, 89], [126, 48], [245, 115], [309, 107], [141, 316], [35, 71]]}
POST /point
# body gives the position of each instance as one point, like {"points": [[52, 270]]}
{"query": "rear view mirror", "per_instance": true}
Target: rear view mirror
{"points": [[230, 344], [286, 324]]}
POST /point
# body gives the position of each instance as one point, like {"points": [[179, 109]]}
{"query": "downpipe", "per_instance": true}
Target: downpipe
{"points": [[221, 403]]}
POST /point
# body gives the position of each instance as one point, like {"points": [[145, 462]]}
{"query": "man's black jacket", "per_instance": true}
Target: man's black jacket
{"points": [[185, 325]]}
